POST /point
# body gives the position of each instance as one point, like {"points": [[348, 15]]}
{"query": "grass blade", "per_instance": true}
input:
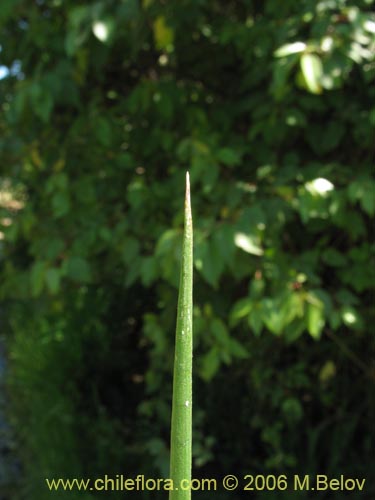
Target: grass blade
{"points": [[180, 460]]}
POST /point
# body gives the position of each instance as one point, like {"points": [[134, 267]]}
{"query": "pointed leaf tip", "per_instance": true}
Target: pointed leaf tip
{"points": [[187, 195]]}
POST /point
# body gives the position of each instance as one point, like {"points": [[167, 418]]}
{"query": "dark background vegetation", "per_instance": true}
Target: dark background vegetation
{"points": [[270, 106]]}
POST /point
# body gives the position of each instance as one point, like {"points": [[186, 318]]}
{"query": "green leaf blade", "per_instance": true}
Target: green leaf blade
{"points": [[181, 426]]}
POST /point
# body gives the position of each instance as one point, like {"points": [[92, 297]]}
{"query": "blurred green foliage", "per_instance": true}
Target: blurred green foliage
{"points": [[270, 105]]}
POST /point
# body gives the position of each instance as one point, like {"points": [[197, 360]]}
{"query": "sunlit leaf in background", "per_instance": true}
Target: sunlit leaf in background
{"points": [[248, 243], [290, 48], [312, 70]]}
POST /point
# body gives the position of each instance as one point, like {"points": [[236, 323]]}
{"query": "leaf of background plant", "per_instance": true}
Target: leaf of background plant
{"points": [[312, 70], [210, 364], [103, 131], [280, 75], [237, 349], [248, 243], [222, 239], [37, 278], [42, 101], [164, 35], [272, 317], [229, 156], [60, 203], [315, 319], [240, 310], [255, 319], [78, 269], [368, 201], [327, 371], [294, 330], [208, 261], [78, 28], [334, 258], [131, 249], [148, 270], [52, 278], [292, 409], [290, 48], [167, 242], [103, 29]]}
